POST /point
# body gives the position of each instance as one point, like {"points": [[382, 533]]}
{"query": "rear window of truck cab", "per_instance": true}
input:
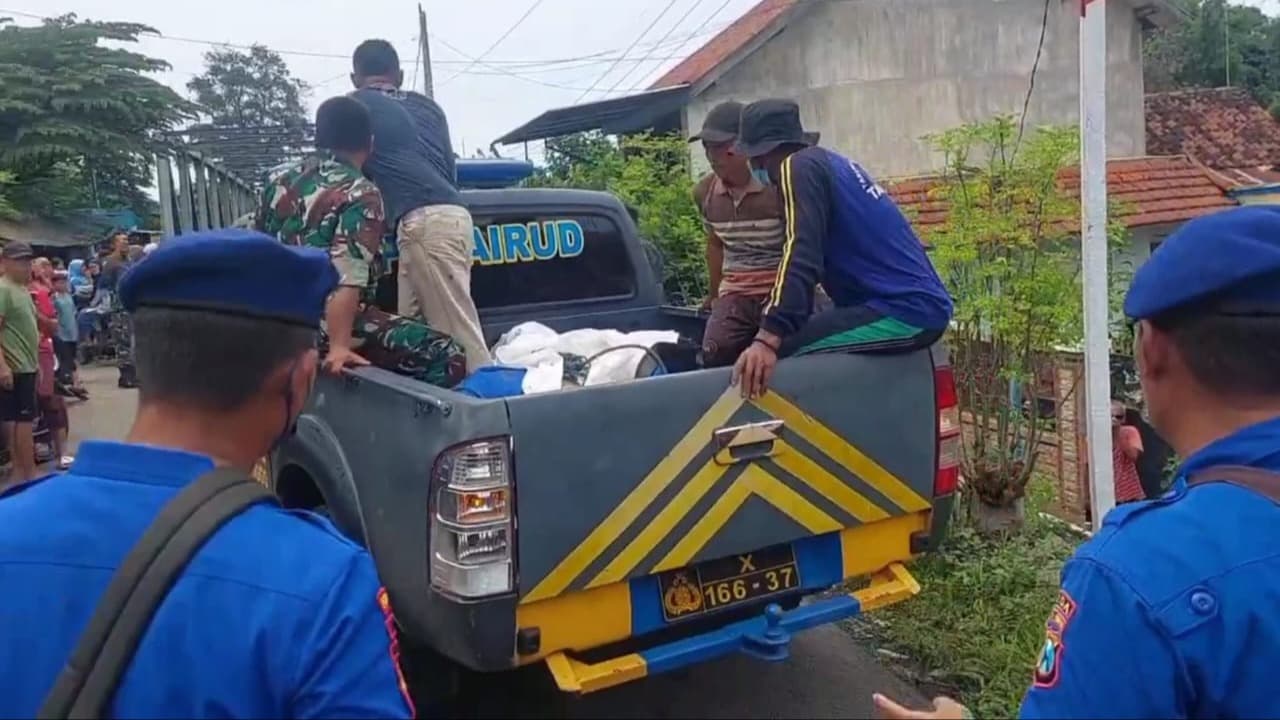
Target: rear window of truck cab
{"points": [[557, 257]]}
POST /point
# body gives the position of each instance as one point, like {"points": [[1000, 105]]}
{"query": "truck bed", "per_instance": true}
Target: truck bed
{"points": [[619, 483]]}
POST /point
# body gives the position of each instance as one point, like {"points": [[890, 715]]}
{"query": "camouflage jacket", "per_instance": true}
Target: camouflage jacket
{"points": [[326, 203]]}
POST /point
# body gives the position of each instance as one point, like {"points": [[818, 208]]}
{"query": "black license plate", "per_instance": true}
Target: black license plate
{"points": [[724, 583]]}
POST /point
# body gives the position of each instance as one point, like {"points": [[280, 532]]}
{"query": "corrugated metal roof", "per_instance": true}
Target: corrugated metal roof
{"points": [[628, 114]]}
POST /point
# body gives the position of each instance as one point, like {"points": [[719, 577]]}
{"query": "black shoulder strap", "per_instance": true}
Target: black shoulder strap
{"points": [[1263, 482], [87, 683]]}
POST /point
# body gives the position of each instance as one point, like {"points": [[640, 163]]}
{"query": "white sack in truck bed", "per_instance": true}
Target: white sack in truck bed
{"points": [[538, 348]]}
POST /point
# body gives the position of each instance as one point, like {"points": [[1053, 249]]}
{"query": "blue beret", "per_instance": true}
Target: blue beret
{"points": [[241, 272], [1227, 259]]}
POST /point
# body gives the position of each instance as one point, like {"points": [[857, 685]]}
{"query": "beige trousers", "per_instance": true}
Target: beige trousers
{"points": [[435, 276]]}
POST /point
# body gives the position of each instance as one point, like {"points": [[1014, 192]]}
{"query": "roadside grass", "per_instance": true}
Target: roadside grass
{"points": [[976, 628]]}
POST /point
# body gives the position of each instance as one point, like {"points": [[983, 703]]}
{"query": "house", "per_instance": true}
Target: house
{"points": [[1226, 130], [1152, 196], [875, 76]]}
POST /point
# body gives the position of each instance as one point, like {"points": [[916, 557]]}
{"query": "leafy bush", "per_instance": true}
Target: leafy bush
{"points": [[649, 173], [1009, 254], [975, 630]]}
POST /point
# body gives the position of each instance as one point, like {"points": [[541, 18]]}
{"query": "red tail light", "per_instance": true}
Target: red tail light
{"points": [[949, 432]]}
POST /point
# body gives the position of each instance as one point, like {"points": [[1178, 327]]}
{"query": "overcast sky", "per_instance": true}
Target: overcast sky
{"points": [[492, 97], [529, 71]]}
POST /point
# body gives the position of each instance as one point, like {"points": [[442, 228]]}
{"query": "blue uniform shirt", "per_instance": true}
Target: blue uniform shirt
{"points": [[1171, 610], [277, 615], [843, 230]]}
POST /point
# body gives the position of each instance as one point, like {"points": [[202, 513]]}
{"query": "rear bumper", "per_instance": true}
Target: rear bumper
{"points": [[766, 637]]}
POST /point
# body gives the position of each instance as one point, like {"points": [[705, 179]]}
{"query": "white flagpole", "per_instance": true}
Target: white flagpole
{"points": [[1093, 223]]}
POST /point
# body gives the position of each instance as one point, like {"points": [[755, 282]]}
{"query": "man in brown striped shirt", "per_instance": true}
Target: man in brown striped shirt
{"points": [[743, 219]]}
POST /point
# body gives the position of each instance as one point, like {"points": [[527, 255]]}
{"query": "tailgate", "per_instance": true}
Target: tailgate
{"points": [[627, 480]]}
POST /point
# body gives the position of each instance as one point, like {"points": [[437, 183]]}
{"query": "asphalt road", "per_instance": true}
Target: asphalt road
{"points": [[828, 675]]}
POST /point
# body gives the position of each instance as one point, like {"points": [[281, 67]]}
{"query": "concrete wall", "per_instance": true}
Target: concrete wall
{"points": [[1137, 247], [873, 76]]}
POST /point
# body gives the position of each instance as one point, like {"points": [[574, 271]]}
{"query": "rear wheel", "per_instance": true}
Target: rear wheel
{"points": [[435, 682]]}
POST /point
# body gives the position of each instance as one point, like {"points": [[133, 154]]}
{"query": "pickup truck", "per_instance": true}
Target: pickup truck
{"points": [[623, 530]]}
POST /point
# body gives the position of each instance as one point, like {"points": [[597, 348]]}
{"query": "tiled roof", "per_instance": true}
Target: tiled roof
{"points": [[724, 44], [1220, 127], [1147, 191]]}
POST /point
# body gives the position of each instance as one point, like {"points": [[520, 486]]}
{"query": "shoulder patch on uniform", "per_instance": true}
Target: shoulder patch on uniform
{"points": [[1046, 675], [384, 604]]}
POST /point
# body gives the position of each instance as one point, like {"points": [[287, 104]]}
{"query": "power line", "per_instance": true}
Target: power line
{"points": [[504, 71], [680, 48], [625, 52], [600, 57], [1031, 84], [678, 23], [564, 68], [495, 67], [495, 43]]}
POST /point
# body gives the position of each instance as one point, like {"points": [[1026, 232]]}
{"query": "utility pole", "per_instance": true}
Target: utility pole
{"points": [[1093, 237], [428, 87], [1226, 34]]}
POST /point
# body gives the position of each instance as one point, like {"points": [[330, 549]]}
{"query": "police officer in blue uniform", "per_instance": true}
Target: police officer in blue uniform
{"points": [[1171, 610], [277, 614]]}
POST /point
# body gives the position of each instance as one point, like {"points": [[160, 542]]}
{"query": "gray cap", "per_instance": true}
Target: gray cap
{"points": [[721, 124]]}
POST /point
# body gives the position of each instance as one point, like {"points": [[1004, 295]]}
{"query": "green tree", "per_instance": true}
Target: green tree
{"points": [[650, 174], [79, 119], [254, 109], [588, 161], [1009, 254], [249, 89], [1216, 41]]}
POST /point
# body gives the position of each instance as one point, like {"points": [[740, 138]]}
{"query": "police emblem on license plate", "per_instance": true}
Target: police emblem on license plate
{"points": [[727, 582]]}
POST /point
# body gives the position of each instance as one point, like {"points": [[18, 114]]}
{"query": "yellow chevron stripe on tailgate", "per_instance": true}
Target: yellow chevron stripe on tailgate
{"points": [[803, 468], [630, 508], [661, 526], [835, 447], [754, 480]]}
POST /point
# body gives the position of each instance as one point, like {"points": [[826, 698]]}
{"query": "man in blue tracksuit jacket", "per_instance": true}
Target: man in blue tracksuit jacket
{"points": [[841, 229], [1170, 610]]}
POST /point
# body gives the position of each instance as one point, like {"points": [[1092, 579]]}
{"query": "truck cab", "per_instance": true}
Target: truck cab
{"points": [[620, 530]]}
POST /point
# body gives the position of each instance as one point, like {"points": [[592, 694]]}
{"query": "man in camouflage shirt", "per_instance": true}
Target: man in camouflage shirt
{"points": [[326, 202]]}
